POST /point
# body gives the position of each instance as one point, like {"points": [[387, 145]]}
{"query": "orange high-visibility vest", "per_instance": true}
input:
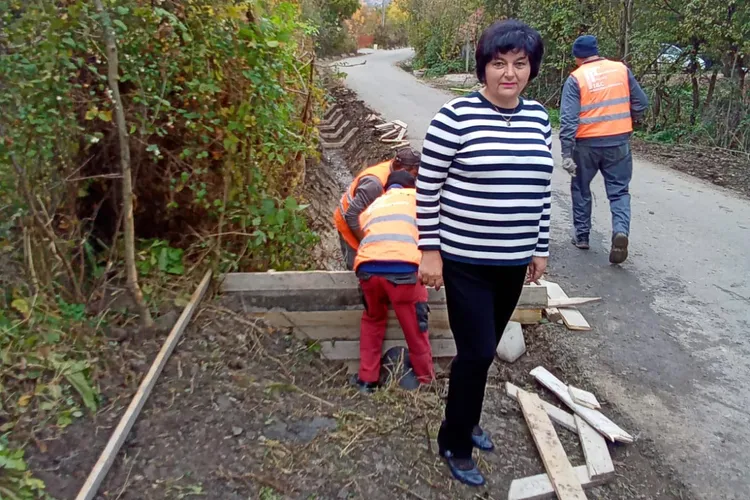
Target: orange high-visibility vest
{"points": [[605, 99], [381, 171], [390, 227]]}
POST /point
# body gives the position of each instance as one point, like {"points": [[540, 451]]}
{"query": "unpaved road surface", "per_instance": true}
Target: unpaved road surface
{"points": [[670, 344]]}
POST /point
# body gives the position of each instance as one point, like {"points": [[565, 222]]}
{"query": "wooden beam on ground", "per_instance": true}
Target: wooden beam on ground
{"points": [[102, 466], [598, 461], [558, 415], [561, 474], [539, 487], [572, 318], [343, 350], [401, 134], [384, 125], [400, 145], [401, 124], [345, 324], [597, 420], [572, 301], [326, 291], [390, 134], [583, 398]]}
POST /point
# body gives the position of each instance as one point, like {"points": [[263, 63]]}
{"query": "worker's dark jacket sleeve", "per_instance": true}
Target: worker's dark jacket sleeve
{"points": [[638, 98], [368, 190], [570, 109]]}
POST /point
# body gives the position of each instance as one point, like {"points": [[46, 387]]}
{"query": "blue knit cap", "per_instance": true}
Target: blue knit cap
{"points": [[585, 46]]}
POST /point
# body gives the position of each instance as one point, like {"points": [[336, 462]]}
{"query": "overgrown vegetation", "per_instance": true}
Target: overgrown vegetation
{"points": [[219, 100], [691, 56], [329, 16], [386, 29]]}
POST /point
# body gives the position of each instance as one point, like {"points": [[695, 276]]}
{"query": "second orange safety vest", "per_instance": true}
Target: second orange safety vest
{"points": [[381, 171], [390, 227], [605, 99]]}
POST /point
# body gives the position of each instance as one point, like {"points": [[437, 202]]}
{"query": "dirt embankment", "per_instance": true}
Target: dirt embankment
{"points": [[724, 168], [329, 177]]}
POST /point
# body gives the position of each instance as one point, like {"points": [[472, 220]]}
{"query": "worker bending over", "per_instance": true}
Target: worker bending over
{"points": [[599, 102], [386, 265], [365, 189]]}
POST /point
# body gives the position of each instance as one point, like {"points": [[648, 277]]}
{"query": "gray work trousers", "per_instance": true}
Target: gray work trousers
{"points": [[616, 165], [348, 253]]}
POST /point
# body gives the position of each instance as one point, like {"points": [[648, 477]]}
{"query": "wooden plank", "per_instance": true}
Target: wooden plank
{"points": [[598, 461], [390, 134], [539, 487], [559, 416], [561, 473], [598, 421], [572, 301], [401, 134], [401, 124], [326, 291], [351, 318], [349, 349], [527, 316], [102, 466], [572, 318], [583, 398], [386, 125]]}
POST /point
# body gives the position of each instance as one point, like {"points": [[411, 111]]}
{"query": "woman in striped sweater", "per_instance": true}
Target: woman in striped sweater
{"points": [[483, 197]]}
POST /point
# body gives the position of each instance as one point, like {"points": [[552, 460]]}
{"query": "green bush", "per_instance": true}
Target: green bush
{"points": [[214, 93]]}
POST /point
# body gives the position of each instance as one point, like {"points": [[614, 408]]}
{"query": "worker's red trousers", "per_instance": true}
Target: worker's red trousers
{"points": [[378, 292]]}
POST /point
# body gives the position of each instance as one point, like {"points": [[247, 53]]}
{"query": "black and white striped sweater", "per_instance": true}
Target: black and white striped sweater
{"points": [[483, 189]]}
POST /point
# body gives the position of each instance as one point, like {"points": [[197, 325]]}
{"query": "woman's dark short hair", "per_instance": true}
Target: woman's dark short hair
{"points": [[508, 36], [400, 177]]}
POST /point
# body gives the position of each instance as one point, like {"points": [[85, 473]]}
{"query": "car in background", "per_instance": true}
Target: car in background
{"points": [[672, 54]]}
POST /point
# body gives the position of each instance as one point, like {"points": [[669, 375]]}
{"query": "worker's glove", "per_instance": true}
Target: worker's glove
{"points": [[569, 166]]}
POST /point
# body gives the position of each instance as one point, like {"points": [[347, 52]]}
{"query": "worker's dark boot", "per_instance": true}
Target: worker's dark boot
{"points": [[581, 242], [362, 386], [619, 251], [481, 439]]}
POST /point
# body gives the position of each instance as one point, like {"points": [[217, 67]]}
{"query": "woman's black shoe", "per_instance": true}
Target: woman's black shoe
{"points": [[481, 439], [463, 469]]}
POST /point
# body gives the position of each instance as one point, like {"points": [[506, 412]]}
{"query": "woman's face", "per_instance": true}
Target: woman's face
{"points": [[507, 75]]}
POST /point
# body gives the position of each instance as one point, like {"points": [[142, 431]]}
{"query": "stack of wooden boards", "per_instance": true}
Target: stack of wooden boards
{"points": [[392, 132], [562, 480], [326, 307]]}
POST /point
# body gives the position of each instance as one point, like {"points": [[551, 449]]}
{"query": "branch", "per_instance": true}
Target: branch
{"points": [[127, 179], [45, 226]]}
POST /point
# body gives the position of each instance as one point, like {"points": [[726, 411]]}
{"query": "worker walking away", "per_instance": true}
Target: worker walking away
{"points": [[386, 264], [366, 188], [600, 100]]}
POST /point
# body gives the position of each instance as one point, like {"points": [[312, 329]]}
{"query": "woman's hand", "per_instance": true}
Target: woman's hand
{"points": [[431, 269], [537, 266]]}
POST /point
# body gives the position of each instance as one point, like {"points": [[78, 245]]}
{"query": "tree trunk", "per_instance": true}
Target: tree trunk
{"points": [[694, 67], [711, 88], [626, 23], [696, 98], [127, 180]]}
